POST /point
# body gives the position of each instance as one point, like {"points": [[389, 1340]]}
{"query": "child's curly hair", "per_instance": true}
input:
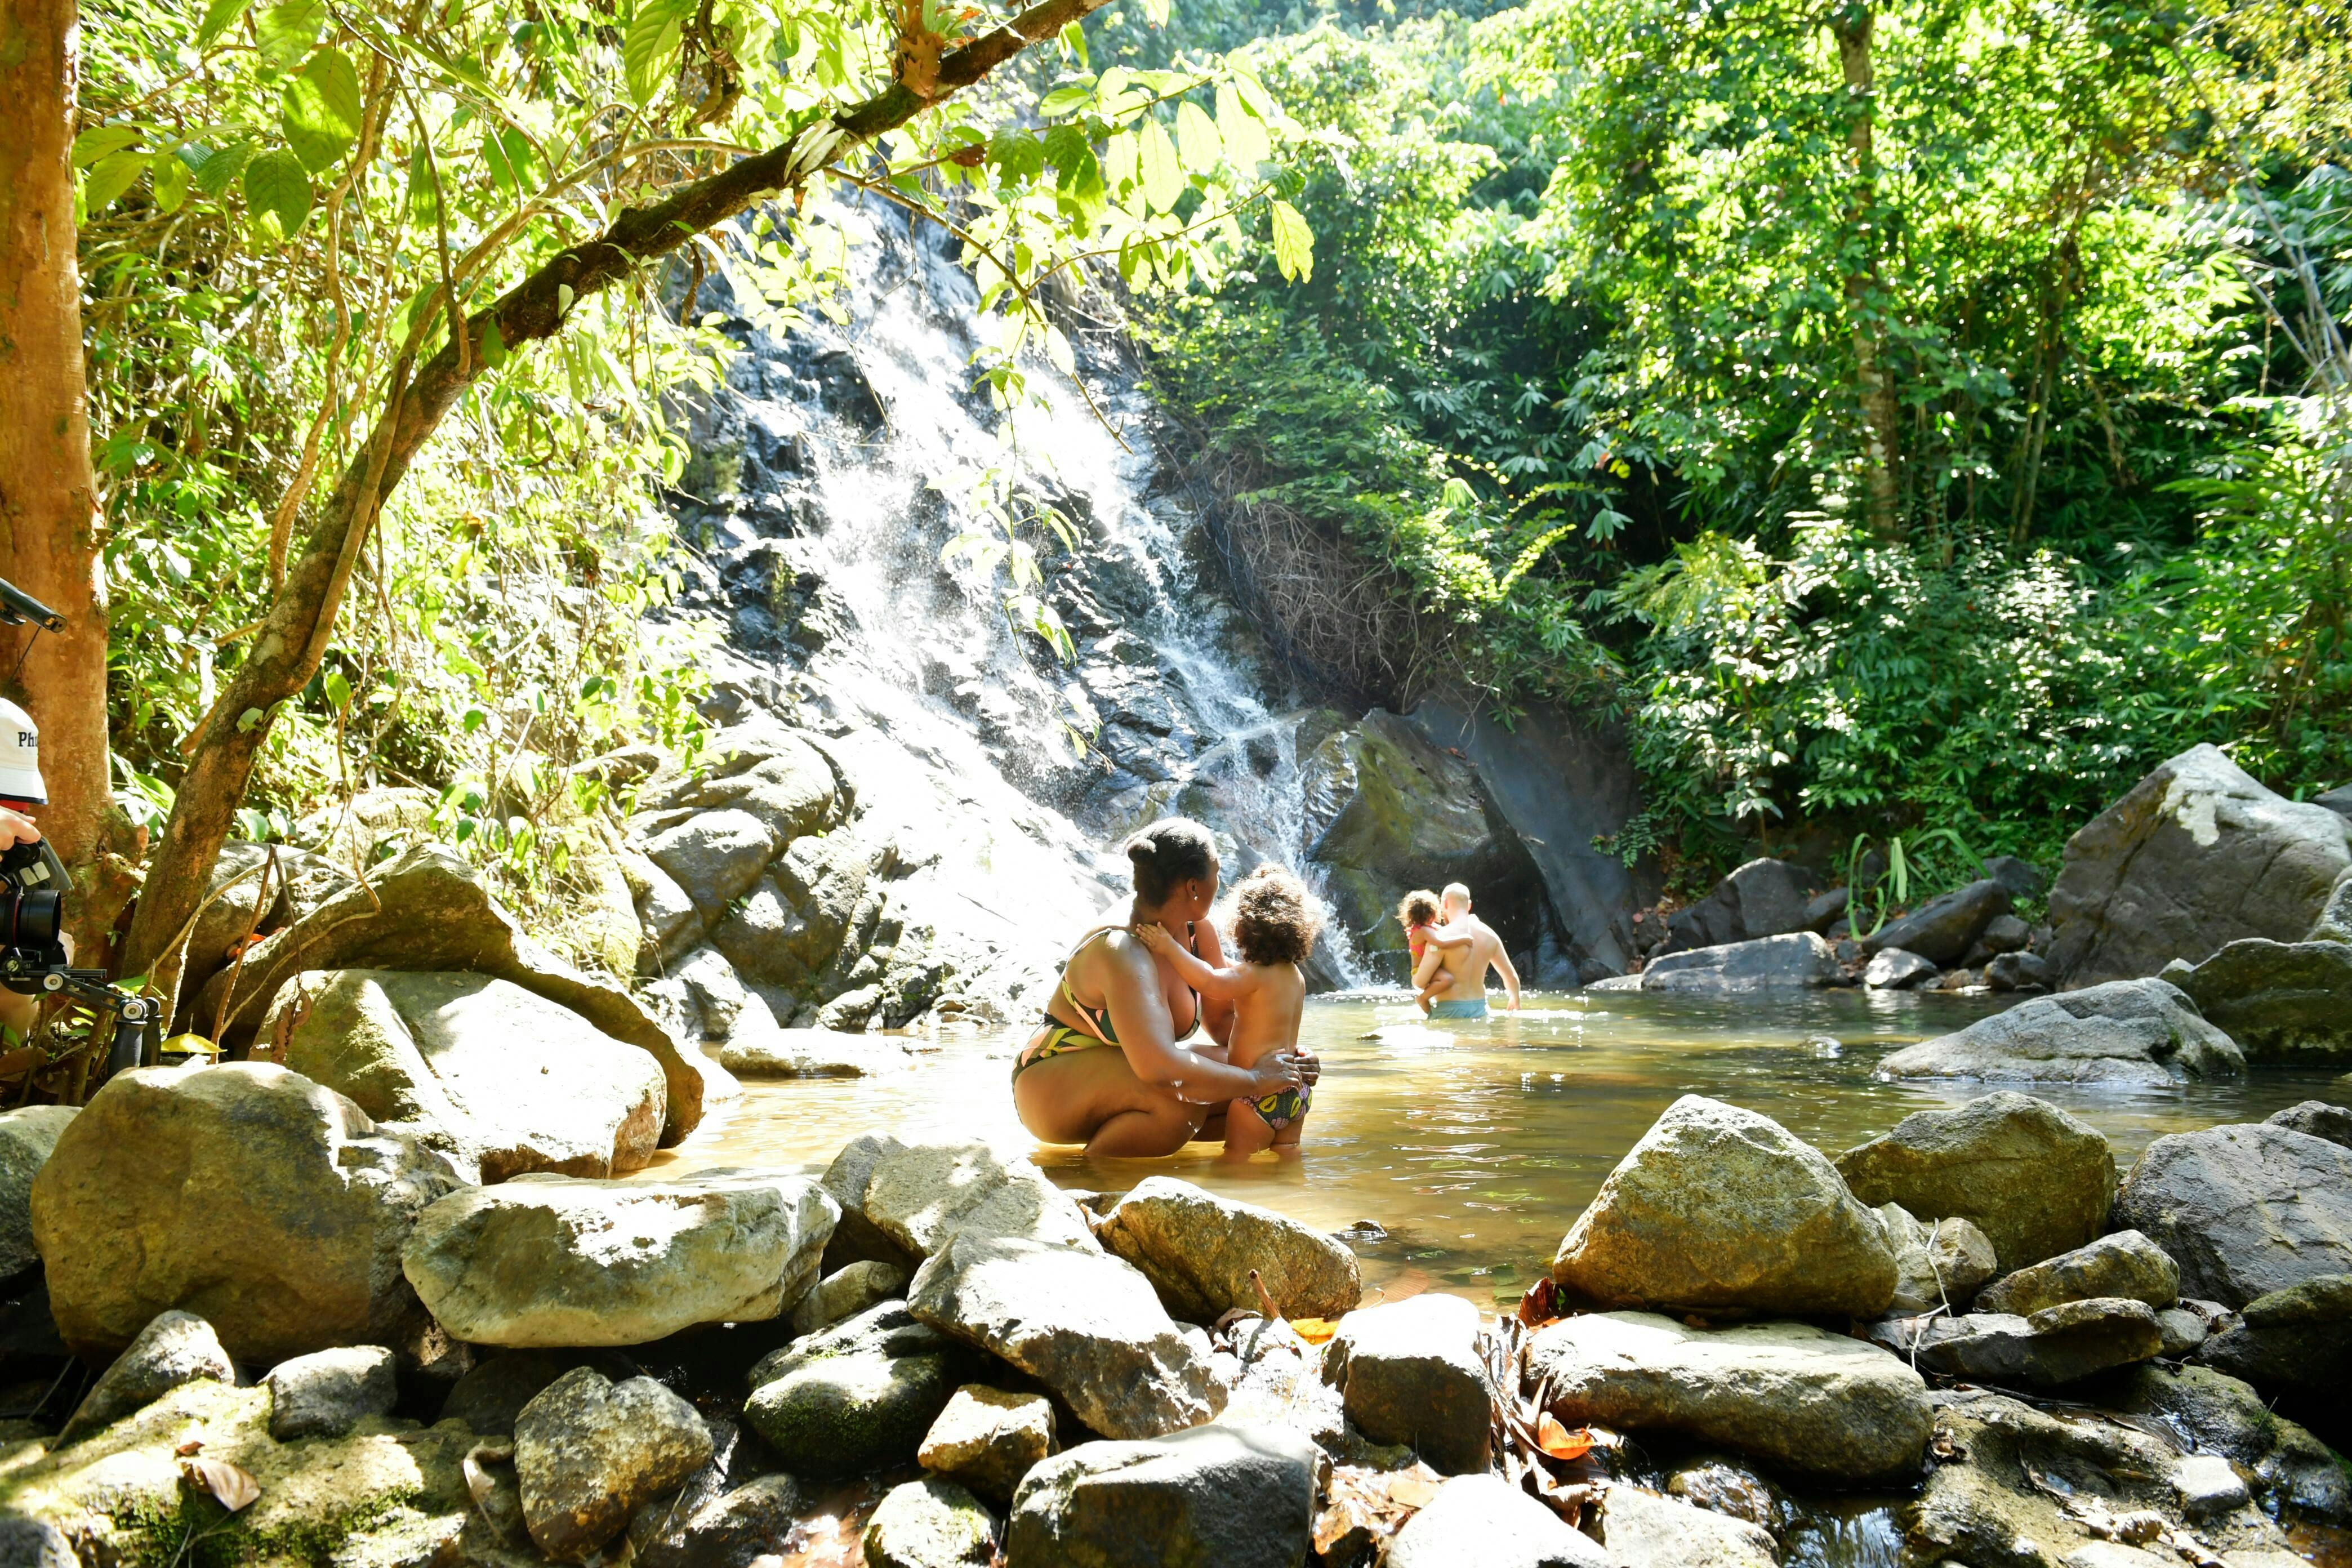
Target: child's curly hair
{"points": [[1418, 908], [1276, 919]]}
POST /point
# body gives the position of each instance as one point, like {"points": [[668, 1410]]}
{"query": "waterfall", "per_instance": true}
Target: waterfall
{"points": [[829, 473]]}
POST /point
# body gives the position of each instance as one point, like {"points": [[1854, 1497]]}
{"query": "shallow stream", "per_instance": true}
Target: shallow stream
{"points": [[1471, 1147]]}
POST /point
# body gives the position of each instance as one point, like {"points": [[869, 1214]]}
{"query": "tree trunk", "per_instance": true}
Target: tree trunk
{"points": [[1853, 24], [286, 651], [48, 526]]}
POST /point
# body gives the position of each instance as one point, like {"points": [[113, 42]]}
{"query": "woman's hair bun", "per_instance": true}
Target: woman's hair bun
{"points": [[1171, 850]]}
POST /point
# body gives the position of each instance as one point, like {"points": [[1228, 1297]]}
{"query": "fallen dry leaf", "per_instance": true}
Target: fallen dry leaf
{"points": [[193, 1446], [1314, 1331], [232, 1486], [1416, 1487], [1559, 1442]]}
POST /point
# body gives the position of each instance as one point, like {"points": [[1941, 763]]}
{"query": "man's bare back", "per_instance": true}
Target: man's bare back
{"points": [[1469, 965]]}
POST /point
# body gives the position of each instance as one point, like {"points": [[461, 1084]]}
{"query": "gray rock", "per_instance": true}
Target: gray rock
{"points": [[2035, 1180], [1797, 960], [1087, 1325], [1410, 1372], [2019, 971], [1798, 1398], [2125, 1032], [2318, 1118], [988, 1439], [489, 1397], [2018, 876], [589, 1452], [1718, 1207], [2334, 922], [733, 1530], [430, 911], [2297, 1340], [27, 1135], [1483, 1521], [857, 1238], [715, 856], [27, 1542], [2125, 1264], [1941, 930], [1896, 969], [555, 1261], [503, 1081], [2211, 1412], [1824, 910], [776, 774], [1723, 1484], [1641, 1530], [133, 1213], [886, 1329], [2244, 1210], [327, 1393], [919, 1198], [2281, 1001], [2002, 933], [2337, 800], [1763, 898], [2183, 1328], [845, 1292], [176, 1348], [852, 1410], [2195, 856], [2208, 1484], [1199, 1250], [930, 1523], [1238, 1496], [2056, 1345], [1938, 1264], [814, 1053], [665, 913]]}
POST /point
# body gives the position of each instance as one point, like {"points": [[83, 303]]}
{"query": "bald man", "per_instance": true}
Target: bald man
{"points": [[1467, 997]]}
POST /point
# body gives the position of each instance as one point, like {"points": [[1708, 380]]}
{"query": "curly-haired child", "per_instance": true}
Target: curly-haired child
{"points": [[1275, 923], [1418, 912]]}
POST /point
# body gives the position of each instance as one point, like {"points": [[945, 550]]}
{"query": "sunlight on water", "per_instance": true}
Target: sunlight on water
{"points": [[1474, 1147]]}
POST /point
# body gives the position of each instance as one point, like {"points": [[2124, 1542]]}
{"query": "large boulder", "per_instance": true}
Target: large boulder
{"points": [[2125, 1264], [1087, 1325], [2318, 1118], [588, 1452], [1798, 961], [2035, 1180], [2244, 1210], [503, 1080], [1943, 929], [2058, 1344], [558, 1260], [2297, 1341], [2281, 1001], [858, 1397], [915, 1199], [28, 1135], [176, 1348], [1763, 898], [1798, 1398], [1410, 1372], [2195, 856], [1721, 1208], [1484, 1521], [1238, 1496], [2123, 1033], [266, 1204], [1199, 1251]]}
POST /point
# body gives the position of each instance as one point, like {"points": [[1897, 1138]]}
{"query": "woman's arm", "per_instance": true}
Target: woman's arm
{"points": [[1130, 982], [1228, 984]]}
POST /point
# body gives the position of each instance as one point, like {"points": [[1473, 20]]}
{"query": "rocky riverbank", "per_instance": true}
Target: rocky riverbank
{"points": [[324, 1345]]}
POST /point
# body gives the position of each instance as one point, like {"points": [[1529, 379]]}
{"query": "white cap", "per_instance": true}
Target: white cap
{"points": [[20, 756]]}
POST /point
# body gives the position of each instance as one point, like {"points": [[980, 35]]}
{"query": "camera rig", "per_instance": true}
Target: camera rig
{"points": [[32, 960]]}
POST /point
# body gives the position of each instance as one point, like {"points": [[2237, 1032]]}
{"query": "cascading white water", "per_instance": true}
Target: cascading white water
{"points": [[841, 461]]}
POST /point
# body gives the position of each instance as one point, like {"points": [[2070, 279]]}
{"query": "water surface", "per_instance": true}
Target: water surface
{"points": [[1474, 1147]]}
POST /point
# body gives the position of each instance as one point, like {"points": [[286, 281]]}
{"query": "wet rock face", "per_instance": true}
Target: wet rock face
{"points": [[2281, 1001], [128, 1212], [2212, 1413], [1720, 1208], [553, 1261], [1237, 1496], [176, 1348], [2196, 855], [2123, 1032], [2124, 1264], [2035, 1180], [2244, 1210], [1411, 1373], [730, 1530], [1799, 962], [1198, 1250], [589, 1452], [1482, 1521], [503, 1081], [1800, 1400], [1087, 1325]]}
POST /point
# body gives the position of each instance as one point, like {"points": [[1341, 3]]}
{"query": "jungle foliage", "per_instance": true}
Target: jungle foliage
{"points": [[1943, 399]]}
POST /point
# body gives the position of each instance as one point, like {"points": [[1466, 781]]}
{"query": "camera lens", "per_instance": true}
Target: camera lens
{"points": [[31, 919]]}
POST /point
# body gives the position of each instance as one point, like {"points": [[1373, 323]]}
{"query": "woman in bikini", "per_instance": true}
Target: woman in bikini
{"points": [[1105, 1069]]}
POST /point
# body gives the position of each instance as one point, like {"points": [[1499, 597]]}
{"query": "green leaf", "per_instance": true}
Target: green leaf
{"points": [[1163, 176], [286, 31], [101, 140], [512, 161], [424, 190], [109, 178], [337, 689], [216, 170], [1118, 160], [1017, 155], [1293, 243], [171, 183], [494, 344], [220, 17], [649, 50], [319, 111], [1062, 99], [1197, 138], [1156, 12], [1245, 136], [275, 183]]}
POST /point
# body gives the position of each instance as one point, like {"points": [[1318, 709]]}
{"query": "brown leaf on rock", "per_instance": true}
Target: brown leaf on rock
{"points": [[1559, 1442], [232, 1486]]}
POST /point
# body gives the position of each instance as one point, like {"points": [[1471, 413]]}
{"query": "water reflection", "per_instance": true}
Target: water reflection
{"points": [[1473, 1147]]}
